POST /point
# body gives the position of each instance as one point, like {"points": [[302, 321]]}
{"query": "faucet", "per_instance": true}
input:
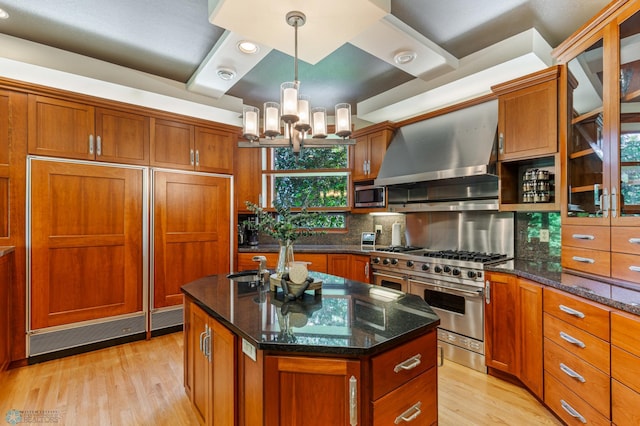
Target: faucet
{"points": [[262, 268]]}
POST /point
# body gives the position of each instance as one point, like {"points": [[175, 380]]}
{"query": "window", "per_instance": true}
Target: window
{"points": [[317, 178]]}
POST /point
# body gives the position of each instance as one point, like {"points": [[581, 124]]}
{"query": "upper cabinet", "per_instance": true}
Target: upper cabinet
{"points": [[528, 115], [62, 128], [600, 134], [371, 145], [181, 145], [248, 177]]}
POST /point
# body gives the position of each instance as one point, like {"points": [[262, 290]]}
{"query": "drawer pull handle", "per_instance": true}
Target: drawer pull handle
{"points": [[634, 240], [410, 414], [353, 401], [583, 259], [572, 340], [409, 364], [634, 268], [568, 310], [572, 412], [583, 237], [569, 372], [441, 349]]}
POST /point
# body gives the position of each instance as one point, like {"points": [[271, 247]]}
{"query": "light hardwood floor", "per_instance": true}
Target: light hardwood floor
{"points": [[141, 384]]}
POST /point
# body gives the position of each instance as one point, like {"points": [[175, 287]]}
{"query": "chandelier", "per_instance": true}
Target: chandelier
{"points": [[303, 126]]}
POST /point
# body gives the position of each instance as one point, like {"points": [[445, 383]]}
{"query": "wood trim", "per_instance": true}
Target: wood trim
{"points": [[385, 125], [448, 109], [538, 77]]}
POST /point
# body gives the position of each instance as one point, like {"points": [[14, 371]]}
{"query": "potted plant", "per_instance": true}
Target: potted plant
{"points": [[285, 226]]}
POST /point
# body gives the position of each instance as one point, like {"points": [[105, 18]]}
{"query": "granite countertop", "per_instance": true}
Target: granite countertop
{"points": [[4, 250], [616, 295], [308, 248], [347, 318]]}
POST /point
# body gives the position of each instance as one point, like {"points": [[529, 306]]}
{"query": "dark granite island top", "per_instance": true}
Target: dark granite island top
{"points": [[348, 318]]}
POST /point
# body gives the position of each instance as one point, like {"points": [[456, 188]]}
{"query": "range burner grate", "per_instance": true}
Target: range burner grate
{"points": [[397, 249], [469, 256]]}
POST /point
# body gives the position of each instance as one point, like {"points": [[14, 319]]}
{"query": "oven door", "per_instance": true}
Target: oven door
{"points": [[460, 309], [390, 280]]}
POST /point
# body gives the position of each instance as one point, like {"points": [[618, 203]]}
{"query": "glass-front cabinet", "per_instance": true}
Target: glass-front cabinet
{"points": [[600, 145]]}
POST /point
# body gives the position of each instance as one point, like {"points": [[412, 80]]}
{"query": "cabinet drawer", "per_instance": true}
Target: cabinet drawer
{"points": [[586, 260], [625, 368], [625, 332], [572, 409], [397, 366], [580, 343], [589, 237], [578, 375], [625, 266], [625, 240], [624, 405], [415, 401], [579, 312]]}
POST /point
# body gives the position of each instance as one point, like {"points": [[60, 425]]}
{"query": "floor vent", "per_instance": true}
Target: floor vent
{"points": [[46, 342]]}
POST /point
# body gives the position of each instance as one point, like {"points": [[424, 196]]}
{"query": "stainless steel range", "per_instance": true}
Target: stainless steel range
{"points": [[452, 283]]}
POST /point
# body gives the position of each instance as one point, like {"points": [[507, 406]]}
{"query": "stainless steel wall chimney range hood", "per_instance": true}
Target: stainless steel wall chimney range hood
{"points": [[447, 162]]}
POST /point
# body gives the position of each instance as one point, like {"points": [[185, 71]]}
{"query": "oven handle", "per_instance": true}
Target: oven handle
{"points": [[444, 288], [395, 277]]}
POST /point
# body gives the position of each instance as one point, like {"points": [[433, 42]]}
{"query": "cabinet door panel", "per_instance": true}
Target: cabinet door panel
{"points": [[360, 153], [248, 177], [309, 391], [191, 231], [59, 128], [124, 137], [360, 268], [197, 365], [214, 151], [530, 332], [6, 278], [86, 242], [172, 144], [339, 264], [624, 405], [500, 324], [403, 402]]}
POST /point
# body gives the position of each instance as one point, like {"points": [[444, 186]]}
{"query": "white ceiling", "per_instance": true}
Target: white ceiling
{"points": [[346, 47]]}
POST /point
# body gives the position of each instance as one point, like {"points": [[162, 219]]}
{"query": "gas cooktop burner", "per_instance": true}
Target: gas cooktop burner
{"points": [[397, 249], [469, 256]]}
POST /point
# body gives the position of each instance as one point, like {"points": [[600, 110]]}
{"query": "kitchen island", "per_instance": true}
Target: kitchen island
{"points": [[349, 354]]}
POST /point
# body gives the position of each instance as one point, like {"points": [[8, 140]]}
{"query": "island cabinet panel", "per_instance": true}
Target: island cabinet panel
{"points": [[210, 355], [191, 217], [312, 391], [62, 128], [625, 368], [86, 242]]}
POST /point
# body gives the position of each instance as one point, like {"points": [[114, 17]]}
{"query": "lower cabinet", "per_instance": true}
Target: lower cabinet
{"points": [[513, 329], [317, 261], [209, 373], [625, 369]]}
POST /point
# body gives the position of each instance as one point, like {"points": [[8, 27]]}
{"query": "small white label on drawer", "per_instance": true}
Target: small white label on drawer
{"points": [[248, 349]]}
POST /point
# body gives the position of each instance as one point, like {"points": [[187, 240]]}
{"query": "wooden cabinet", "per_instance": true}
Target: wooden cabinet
{"points": [[528, 140], [191, 219], [625, 369], [350, 266], [576, 358], [248, 177], [368, 152], [6, 280], [600, 89], [62, 128], [292, 380], [528, 115], [210, 356], [181, 145], [86, 242], [513, 329]]}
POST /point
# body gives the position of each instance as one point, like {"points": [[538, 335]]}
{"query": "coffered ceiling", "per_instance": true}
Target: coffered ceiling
{"points": [[346, 48]]}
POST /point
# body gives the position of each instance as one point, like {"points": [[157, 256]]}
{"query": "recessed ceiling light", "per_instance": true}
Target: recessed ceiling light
{"points": [[248, 47], [404, 57], [226, 74], [4, 14]]}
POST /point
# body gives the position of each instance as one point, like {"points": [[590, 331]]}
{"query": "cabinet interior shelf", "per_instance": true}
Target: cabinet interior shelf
{"points": [[586, 115], [581, 153], [631, 96], [586, 188]]}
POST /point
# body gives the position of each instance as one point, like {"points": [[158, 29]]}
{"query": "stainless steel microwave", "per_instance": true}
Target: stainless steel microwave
{"points": [[368, 196]]}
